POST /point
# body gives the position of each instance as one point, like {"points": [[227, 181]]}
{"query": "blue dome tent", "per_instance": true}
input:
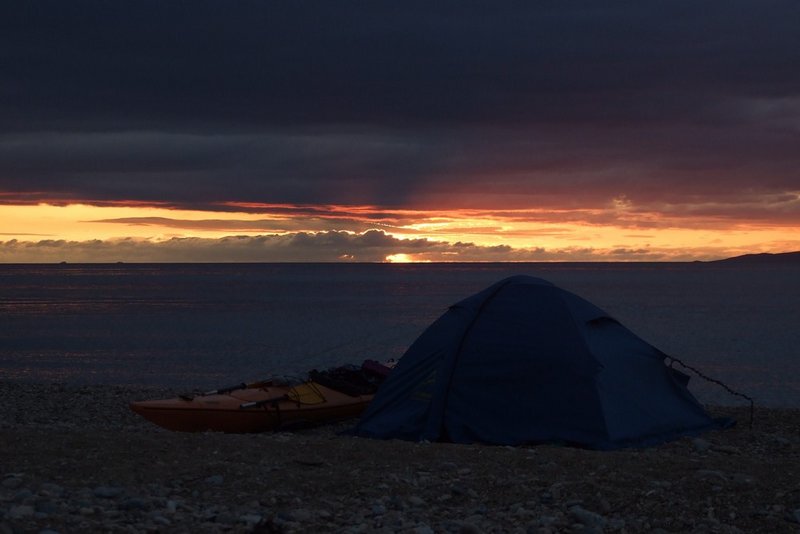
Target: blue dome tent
{"points": [[524, 361]]}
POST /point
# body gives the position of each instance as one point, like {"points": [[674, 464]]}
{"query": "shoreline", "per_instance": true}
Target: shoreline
{"points": [[75, 458]]}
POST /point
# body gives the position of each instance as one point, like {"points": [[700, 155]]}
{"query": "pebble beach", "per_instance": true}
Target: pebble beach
{"points": [[74, 458]]}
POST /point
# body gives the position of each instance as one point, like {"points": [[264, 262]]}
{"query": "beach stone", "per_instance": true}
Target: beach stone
{"points": [[522, 512], [21, 511], [480, 510], [214, 480], [587, 517], [310, 461], [469, 528], [727, 449], [548, 466], [225, 518], [134, 503], [12, 482], [741, 478], [546, 521], [616, 524], [780, 441], [701, 445], [300, 515], [51, 490], [711, 474], [458, 490], [23, 495], [416, 501], [250, 520], [107, 492], [161, 520], [46, 507], [555, 491]]}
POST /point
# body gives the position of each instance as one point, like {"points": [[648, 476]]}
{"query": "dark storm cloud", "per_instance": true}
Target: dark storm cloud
{"points": [[195, 168], [557, 103]]}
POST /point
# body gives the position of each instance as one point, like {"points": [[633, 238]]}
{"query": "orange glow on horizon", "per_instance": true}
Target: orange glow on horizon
{"points": [[616, 233]]}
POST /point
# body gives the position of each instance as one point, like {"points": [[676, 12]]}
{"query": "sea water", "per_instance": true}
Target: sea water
{"points": [[200, 325]]}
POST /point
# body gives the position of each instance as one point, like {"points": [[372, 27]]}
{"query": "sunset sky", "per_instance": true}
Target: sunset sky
{"points": [[398, 131]]}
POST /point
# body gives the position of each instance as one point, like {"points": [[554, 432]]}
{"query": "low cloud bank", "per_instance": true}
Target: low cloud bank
{"points": [[331, 246]]}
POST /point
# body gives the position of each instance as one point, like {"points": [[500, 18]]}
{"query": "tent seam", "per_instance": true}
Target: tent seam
{"points": [[457, 352], [584, 338]]}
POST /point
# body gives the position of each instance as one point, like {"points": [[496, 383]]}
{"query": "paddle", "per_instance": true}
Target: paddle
{"points": [[224, 390], [228, 389], [256, 404]]}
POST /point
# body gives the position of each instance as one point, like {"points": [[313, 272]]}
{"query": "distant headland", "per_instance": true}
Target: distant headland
{"points": [[766, 257]]}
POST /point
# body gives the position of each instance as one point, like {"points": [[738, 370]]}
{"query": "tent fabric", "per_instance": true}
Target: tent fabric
{"points": [[524, 361]]}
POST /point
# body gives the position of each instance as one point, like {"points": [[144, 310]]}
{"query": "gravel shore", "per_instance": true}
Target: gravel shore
{"points": [[76, 459]]}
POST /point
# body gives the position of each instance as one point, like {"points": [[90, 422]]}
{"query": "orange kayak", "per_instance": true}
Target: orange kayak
{"points": [[254, 408]]}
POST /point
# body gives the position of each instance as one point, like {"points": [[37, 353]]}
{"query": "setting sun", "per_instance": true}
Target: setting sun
{"points": [[399, 258]]}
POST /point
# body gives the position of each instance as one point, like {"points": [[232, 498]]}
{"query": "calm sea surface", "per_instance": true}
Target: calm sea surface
{"points": [[210, 325]]}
